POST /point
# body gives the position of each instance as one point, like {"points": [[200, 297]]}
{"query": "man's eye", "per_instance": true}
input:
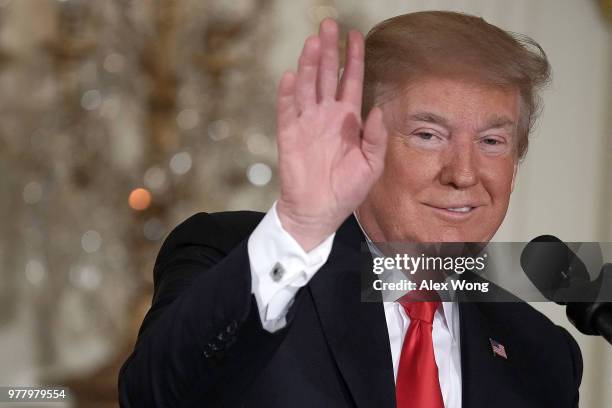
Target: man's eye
{"points": [[426, 139], [494, 145], [491, 142], [425, 135]]}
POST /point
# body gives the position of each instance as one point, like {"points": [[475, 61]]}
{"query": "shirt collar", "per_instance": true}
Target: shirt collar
{"points": [[447, 309]]}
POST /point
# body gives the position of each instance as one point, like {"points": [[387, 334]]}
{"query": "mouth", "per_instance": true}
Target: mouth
{"points": [[463, 210], [455, 212]]}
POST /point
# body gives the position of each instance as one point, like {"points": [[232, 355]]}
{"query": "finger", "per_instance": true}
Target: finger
{"points": [[308, 64], [351, 87], [328, 65], [286, 110], [374, 140]]}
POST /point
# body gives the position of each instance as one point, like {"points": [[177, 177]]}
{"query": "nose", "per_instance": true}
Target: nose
{"points": [[459, 168]]}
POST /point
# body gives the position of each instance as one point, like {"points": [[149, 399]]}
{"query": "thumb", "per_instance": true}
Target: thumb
{"points": [[374, 140]]}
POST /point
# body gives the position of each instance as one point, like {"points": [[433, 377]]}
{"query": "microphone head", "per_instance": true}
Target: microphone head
{"points": [[552, 266]]}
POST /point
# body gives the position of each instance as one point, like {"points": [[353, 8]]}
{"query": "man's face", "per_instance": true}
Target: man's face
{"points": [[450, 163]]}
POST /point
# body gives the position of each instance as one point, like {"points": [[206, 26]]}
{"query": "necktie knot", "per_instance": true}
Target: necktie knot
{"points": [[423, 311]]}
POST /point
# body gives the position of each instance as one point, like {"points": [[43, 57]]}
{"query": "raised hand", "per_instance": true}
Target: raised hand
{"points": [[328, 159]]}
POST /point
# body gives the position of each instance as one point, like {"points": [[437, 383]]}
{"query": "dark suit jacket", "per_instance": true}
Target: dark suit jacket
{"points": [[202, 345]]}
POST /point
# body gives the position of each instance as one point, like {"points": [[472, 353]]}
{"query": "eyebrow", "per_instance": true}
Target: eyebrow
{"points": [[495, 122], [429, 117], [498, 122]]}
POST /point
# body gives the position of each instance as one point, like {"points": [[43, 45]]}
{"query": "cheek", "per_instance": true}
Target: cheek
{"points": [[409, 169], [496, 177]]}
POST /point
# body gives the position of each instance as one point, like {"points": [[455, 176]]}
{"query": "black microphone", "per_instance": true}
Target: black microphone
{"points": [[558, 273]]}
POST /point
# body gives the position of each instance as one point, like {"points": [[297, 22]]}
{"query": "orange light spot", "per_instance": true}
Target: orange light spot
{"points": [[139, 199]]}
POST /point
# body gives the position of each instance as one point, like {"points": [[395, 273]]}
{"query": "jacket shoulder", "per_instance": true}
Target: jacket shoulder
{"points": [[521, 317], [221, 231], [547, 330]]}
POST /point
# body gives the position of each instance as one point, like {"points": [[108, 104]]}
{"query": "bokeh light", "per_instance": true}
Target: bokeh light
{"points": [[188, 119], [35, 271], [180, 163], [259, 174], [91, 100], [218, 130], [154, 229], [257, 143], [32, 192], [140, 199], [114, 63], [91, 241], [155, 178]]}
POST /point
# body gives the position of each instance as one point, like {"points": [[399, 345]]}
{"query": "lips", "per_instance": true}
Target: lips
{"points": [[457, 212], [464, 209]]}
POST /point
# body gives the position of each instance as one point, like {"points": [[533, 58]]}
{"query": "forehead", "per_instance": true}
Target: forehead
{"points": [[458, 101]]}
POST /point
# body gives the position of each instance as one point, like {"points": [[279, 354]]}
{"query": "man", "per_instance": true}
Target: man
{"points": [[264, 311]]}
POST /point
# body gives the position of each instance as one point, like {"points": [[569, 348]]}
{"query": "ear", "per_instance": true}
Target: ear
{"points": [[513, 176]]}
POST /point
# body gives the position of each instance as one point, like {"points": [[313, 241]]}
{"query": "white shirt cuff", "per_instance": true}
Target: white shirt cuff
{"points": [[280, 267]]}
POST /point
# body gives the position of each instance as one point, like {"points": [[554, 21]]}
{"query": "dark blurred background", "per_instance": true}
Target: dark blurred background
{"points": [[119, 119]]}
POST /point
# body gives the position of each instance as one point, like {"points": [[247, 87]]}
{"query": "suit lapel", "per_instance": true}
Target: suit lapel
{"points": [[357, 335], [356, 332], [488, 380]]}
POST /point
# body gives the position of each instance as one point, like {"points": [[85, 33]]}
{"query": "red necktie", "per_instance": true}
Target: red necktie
{"points": [[417, 384]]}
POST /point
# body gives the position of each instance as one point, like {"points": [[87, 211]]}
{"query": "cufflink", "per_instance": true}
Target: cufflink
{"points": [[277, 272]]}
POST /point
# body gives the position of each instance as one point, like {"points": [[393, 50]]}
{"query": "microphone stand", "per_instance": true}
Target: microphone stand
{"points": [[593, 318]]}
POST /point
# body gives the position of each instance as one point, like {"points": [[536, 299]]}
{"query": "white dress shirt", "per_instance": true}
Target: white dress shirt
{"points": [[280, 267]]}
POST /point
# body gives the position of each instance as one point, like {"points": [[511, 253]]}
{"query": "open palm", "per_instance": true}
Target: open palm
{"points": [[328, 159]]}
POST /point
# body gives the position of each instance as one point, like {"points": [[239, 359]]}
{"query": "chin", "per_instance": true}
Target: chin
{"points": [[454, 234]]}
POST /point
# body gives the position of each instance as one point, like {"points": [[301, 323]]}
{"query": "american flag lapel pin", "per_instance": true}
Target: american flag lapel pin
{"points": [[498, 349]]}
